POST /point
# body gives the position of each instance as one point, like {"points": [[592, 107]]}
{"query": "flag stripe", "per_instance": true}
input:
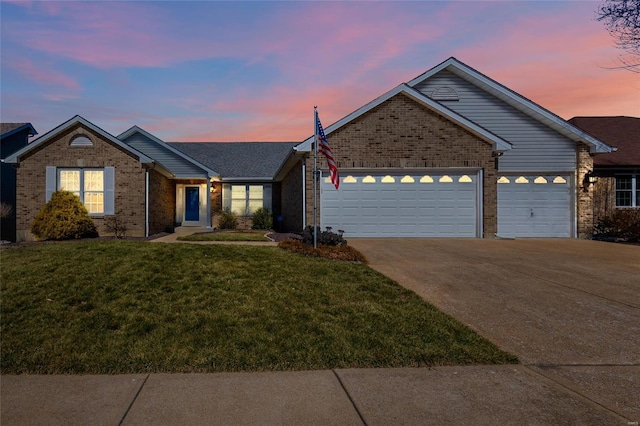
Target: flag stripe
{"points": [[323, 147]]}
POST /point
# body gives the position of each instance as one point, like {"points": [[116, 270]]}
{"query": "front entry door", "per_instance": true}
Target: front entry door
{"points": [[192, 204]]}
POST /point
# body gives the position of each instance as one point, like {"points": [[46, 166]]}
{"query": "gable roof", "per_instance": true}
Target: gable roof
{"points": [[175, 161], [515, 100], [621, 132], [239, 160], [16, 156], [8, 129], [498, 143]]}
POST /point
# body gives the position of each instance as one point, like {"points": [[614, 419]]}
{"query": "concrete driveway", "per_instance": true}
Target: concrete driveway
{"points": [[570, 309]]}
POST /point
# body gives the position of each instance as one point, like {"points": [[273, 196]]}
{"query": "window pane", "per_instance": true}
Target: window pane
{"points": [[93, 180], [623, 182], [238, 206], [623, 198], [94, 202], [254, 205], [69, 181], [255, 192], [238, 191]]}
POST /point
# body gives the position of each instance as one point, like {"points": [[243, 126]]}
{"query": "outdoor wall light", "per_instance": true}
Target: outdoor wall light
{"points": [[589, 179]]}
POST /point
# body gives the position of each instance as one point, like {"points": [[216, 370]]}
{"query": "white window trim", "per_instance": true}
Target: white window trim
{"points": [[51, 185], [635, 186], [227, 196], [82, 191]]}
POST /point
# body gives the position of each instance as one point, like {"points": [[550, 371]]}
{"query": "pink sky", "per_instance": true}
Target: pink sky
{"points": [[218, 71]]}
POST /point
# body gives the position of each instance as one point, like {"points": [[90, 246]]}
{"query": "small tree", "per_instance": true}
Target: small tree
{"points": [[262, 219], [63, 218], [228, 220], [622, 20]]}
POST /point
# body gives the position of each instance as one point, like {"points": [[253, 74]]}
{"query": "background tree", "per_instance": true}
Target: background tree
{"points": [[622, 20]]}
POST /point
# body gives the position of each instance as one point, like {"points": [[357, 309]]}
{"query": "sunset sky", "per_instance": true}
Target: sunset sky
{"points": [[252, 71]]}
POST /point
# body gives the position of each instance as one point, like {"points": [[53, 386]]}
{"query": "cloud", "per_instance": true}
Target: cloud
{"points": [[44, 75]]}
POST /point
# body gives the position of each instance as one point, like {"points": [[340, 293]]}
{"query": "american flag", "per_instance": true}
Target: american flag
{"points": [[323, 147]]}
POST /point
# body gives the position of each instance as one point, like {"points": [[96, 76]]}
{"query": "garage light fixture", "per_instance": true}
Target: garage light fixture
{"points": [[589, 179]]}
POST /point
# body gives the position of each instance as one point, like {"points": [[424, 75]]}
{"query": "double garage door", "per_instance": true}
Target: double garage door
{"points": [[444, 205], [402, 205]]}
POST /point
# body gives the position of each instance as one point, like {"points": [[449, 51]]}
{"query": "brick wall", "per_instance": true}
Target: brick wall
{"points": [[129, 179], [584, 211], [401, 133], [162, 202]]}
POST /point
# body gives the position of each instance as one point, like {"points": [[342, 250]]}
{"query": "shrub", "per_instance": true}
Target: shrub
{"points": [[343, 252], [63, 218], [262, 219], [623, 224], [116, 225], [228, 220], [327, 238], [6, 210]]}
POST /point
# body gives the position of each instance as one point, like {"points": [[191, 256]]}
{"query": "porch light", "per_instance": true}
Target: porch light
{"points": [[589, 179]]}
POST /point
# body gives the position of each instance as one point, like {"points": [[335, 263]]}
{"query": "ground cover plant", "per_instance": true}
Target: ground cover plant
{"points": [[126, 306], [226, 236]]}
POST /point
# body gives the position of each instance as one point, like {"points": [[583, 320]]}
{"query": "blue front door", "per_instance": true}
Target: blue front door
{"points": [[192, 203]]}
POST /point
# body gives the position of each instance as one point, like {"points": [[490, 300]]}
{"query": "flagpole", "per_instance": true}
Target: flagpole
{"points": [[315, 176]]}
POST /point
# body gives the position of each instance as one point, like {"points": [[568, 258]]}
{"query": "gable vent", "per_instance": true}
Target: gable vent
{"points": [[445, 94], [81, 140]]}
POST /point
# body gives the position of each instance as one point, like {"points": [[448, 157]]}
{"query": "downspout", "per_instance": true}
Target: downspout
{"points": [[146, 204], [208, 198], [304, 193]]}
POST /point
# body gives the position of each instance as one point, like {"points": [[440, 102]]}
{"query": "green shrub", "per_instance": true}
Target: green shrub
{"points": [[228, 220], [622, 224], [262, 219], [327, 238], [116, 225], [63, 218]]}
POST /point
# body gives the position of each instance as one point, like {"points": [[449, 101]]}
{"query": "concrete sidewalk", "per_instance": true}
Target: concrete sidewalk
{"points": [[512, 394]]}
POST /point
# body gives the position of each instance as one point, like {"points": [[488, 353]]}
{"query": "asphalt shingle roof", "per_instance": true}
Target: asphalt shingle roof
{"points": [[621, 132], [8, 127], [239, 159]]}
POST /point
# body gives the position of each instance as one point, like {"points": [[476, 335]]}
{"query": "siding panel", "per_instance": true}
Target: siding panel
{"points": [[535, 146]]}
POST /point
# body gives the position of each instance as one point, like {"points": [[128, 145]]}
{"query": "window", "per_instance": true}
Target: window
{"points": [[628, 190], [87, 184], [245, 199]]}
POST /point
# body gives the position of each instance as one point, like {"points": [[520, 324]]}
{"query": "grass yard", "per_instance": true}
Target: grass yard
{"points": [[134, 307], [226, 236]]}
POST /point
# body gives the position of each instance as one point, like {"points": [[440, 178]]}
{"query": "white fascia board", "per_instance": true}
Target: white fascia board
{"points": [[499, 144], [516, 100], [32, 130], [15, 157], [136, 129], [246, 179]]}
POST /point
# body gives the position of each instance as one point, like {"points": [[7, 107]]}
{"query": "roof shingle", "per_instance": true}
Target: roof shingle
{"points": [[621, 132]]}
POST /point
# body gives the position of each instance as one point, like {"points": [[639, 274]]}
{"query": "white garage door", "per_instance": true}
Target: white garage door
{"points": [[402, 205], [534, 206]]}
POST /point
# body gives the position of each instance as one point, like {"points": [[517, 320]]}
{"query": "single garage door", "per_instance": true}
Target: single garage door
{"points": [[402, 205], [534, 206]]}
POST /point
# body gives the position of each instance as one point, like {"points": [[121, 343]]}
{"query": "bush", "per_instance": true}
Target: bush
{"points": [[623, 225], [6, 211], [228, 220], [116, 225], [63, 218], [342, 252], [327, 238], [262, 219]]}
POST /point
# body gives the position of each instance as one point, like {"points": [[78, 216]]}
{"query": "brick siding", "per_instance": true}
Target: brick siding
{"points": [[292, 200], [584, 211], [129, 179], [400, 133], [162, 203]]}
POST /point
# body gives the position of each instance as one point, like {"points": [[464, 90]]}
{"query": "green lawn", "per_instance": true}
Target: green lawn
{"points": [[134, 307], [226, 236]]}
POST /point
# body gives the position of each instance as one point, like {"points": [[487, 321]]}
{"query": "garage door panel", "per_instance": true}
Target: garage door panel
{"points": [[402, 206], [538, 208]]}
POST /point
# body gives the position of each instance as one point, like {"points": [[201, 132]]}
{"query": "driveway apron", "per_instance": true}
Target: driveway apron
{"points": [[570, 309]]}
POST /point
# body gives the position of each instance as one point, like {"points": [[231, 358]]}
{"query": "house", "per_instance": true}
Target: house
{"points": [[13, 136], [451, 153], [148, 184], [617, 174]]}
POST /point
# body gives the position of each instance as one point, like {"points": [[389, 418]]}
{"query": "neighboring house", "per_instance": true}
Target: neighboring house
{"points": [[453, 153], [617, 174], [13, 136]]}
